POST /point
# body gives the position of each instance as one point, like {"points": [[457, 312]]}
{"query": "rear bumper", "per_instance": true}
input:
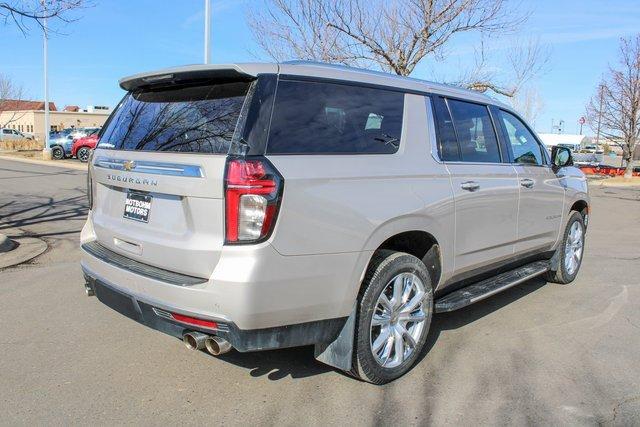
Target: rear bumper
{"points": [[153, 315], [251, 286]]}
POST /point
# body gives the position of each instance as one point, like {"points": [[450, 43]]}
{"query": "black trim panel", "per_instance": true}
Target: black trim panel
{"points": [[110, 257], [243, 340]]}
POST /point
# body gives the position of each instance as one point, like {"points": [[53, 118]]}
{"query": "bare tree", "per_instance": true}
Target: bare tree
{"points": [[616, 105], [23, 12], [393, 36], [10, 95], [527, 102]]}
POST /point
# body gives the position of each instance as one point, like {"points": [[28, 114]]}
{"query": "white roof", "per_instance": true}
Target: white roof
{"points": [[553, 139]]}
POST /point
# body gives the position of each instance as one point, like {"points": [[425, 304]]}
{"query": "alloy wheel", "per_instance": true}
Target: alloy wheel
{"points": [[398, 320], [573, 248]]}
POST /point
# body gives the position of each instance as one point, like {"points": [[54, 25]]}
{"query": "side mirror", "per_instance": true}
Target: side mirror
{"points": [[561, 157]]}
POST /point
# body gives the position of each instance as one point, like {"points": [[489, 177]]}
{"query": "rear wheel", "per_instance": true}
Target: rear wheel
{"points": [[393, 318], [83, 154], [57, 153], [570, 251]]}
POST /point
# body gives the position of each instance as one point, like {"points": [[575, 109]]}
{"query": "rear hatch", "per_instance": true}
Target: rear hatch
{"points": [[158, 173]]}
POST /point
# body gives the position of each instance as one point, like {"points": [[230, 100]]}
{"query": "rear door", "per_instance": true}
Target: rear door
{"points": [[541, 195], [485, 188], [158, 175]]}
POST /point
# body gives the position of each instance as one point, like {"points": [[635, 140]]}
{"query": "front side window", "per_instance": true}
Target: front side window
{"points": [[192, 119], [476, 136], [329, 118], [526, 149]]}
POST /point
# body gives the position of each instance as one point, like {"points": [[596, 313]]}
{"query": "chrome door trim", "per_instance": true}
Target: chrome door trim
{"points": [[144, 166]]}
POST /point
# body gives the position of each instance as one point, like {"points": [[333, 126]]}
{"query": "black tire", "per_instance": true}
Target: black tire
{"points": [[83, 154], [561, 274], [385, 266], [57, 153]]}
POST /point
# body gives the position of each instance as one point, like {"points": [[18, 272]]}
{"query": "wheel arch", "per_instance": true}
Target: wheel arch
{"points": [[417, 235], [581, 206]]}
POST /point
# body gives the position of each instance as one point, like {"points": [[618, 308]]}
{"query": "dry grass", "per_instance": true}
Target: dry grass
{"points": [[620, 181], [19, 145]]}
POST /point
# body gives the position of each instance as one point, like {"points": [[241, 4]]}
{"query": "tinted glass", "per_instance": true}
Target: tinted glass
{"points": [[198, 119], [526, 149], [476, 137], [326, 118], [447, 142]]}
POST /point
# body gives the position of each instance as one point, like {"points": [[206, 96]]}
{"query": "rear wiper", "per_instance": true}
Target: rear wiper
{"points": [[388, 139]]}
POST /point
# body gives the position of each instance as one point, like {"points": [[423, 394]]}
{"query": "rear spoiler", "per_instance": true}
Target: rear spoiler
{"points": [[177, 75]]}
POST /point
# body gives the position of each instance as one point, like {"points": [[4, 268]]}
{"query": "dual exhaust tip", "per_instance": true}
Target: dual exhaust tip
{"points": [[214, 345]]}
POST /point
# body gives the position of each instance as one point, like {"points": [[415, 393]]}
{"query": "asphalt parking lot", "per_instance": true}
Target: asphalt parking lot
{"points": [[536, 354]]}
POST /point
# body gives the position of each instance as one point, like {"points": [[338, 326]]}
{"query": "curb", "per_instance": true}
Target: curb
{"points": [[52, 163], [27, 248]]}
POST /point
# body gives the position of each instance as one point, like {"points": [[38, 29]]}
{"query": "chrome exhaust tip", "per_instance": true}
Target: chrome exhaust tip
{"points": [[89, 290], [216, 345], [194, 340]]}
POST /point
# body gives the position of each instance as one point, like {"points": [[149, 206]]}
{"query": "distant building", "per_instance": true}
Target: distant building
{"points": [[28, 116], [575, 142]]}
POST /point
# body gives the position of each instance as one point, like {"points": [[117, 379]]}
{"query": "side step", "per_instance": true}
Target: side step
{"points": [[484, 289]]}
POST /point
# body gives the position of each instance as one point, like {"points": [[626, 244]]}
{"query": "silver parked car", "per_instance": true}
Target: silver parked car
{"points": [[8, 134], [261, 206]]}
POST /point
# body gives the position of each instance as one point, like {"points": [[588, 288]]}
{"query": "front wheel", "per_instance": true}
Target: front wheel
{"points": [[393, 318], [57, 153], [569, 252], [83, 154]]}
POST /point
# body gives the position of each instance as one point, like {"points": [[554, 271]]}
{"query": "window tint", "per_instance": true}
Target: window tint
{"points": [[476, 137], [526, 149], [185, 119], [327, 118], [447, 142]]}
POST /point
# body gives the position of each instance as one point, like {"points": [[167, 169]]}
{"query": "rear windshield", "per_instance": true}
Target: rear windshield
{"points": [[190, 119], [328, 118]]}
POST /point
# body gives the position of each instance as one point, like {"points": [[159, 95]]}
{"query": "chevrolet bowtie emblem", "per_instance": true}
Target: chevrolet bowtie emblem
{"points": [[129, 165]]}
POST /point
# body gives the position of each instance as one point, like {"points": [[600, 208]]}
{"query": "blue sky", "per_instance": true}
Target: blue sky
{"points": [[115, 38]]}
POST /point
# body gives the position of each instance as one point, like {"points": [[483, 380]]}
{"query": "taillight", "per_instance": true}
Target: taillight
{"points": [[253, 189]]}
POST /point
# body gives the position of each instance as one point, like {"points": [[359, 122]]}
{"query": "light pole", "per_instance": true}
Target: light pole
{"points": [[46, 151], [207, 31]]}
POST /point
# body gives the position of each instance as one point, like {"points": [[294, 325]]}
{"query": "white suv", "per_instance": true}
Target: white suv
{"points": [[260, 206]]}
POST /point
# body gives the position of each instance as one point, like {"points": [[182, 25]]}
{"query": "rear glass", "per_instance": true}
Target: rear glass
{"points": [[191, 119], [327, 118]]}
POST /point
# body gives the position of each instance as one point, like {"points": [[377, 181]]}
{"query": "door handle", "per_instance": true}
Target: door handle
{"points": [[526, 182], [470, 186]]}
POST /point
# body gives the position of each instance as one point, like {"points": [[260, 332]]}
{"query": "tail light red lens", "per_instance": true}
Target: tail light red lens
{"points": [[252, 197]]}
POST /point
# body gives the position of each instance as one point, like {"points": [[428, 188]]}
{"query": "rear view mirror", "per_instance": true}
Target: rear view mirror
{"points": [[561, 157]]}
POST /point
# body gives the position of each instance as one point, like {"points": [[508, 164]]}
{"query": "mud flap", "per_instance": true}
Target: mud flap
{"points": [[339, 353]]}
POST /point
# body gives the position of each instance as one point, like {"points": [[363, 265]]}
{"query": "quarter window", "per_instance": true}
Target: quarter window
{"points": [[448, 144], [476, 136], [526, 149], [329, 118]]}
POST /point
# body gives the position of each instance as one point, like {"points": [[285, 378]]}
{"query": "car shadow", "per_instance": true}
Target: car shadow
{"points": [[464, 316], [299, 362]]}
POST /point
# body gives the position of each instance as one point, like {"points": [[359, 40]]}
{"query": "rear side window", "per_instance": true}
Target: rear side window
{"points": [[448, 144], [327, 118], [526, 149], [192, 119], [476, 136]]}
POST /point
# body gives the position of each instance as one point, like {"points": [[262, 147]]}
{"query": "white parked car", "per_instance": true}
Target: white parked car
{"points": [[7, 134]]}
